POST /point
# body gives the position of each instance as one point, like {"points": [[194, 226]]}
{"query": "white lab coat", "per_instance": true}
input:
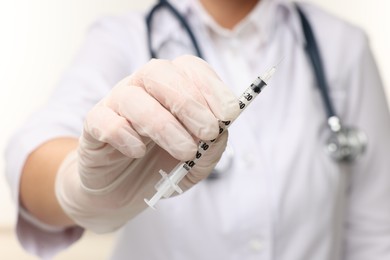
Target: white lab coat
{"points": [[283, 197]]}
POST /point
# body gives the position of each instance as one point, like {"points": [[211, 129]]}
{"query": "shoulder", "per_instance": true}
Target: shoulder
{"points": [[341, 43], [130, 22], [334, 33], [126, 26], [125, 34]]}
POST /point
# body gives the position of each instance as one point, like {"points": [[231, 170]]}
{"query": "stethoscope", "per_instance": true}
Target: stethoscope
{"points": [[344, 144]]}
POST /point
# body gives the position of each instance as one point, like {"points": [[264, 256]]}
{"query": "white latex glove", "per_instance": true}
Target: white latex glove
{"points": [[149, 121]]}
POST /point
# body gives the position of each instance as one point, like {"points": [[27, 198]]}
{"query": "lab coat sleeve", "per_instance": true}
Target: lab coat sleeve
{"points": [[103, 60], [367, 226]]}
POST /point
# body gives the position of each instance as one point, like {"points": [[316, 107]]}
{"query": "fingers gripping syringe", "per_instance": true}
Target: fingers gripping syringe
{"points": [[169, 182]]}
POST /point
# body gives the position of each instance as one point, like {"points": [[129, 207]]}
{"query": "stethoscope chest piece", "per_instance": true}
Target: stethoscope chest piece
{"points": [[345, 144]]}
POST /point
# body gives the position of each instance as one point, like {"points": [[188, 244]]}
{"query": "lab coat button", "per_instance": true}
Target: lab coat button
{"points": [[249, 159], [256, 245]]}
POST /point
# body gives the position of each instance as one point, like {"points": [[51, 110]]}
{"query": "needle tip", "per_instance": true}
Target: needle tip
{"points": [[269, 73], [280, 61]]}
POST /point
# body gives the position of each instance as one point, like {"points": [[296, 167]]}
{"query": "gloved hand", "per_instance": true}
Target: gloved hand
{"points": [[150, 121]]}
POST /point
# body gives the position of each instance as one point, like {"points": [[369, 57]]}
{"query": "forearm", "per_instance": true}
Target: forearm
{"points": [[37, 193]]}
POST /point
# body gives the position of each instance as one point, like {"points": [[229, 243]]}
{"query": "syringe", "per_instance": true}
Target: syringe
{"points": [[169, 182]]}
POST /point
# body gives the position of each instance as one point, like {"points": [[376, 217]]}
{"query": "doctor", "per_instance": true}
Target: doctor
{"points": [[92, 154]]}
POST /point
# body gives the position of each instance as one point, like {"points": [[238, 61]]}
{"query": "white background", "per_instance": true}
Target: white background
{"points": [[39, 38]]}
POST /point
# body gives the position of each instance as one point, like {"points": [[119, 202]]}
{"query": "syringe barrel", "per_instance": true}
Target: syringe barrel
{"points": [[169, 183]]}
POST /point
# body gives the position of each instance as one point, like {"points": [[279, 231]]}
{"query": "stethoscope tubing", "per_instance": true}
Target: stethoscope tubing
{"points": [[161, 4]]}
